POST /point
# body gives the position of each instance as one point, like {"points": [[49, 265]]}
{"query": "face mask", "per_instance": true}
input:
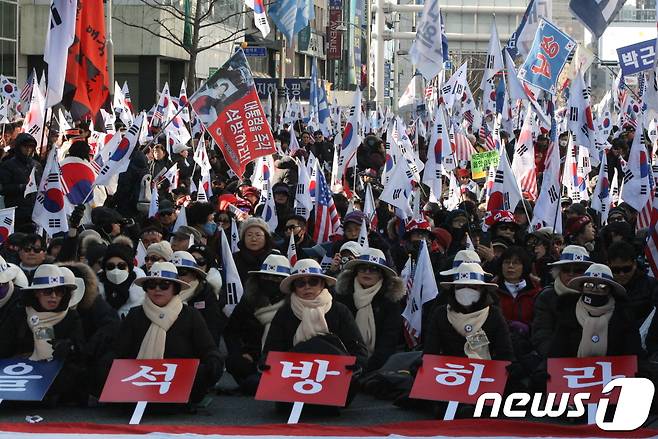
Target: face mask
{"points": [[563, 143], [594, 299], [117, 276], [467, 296], [210, 228], [4, 289]]}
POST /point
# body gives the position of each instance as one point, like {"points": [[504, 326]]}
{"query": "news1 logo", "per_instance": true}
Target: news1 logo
{"points": [[633, 404]]}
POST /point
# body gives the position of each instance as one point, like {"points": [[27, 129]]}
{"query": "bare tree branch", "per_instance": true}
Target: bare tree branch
{"points": [[216, 22], [231, 37], [170, 32], [170, 9], [175, 41]]}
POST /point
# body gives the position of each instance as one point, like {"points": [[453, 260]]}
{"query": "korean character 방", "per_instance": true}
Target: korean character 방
{"points": [[304, 371], [630, 59], [147, 373], [648, 55], [454, 375], [588, 373], [16, 376]]}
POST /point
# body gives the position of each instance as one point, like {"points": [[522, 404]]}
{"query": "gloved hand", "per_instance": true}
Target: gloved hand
{"points": [[76, 216], [519, 327], [62, 348]]}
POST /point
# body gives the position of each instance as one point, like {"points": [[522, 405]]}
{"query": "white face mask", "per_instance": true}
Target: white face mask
{"points": [[117, 276], [467, 296]]}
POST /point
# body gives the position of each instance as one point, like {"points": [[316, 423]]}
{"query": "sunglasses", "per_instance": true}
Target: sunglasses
{"points": [[572, 270], [623, 269], [597, 287], [310, 281], [121, 266], [153, 259], [160, 284], [59, 292], [368, 269], [184, 272], [29, 249], [292, 227]]}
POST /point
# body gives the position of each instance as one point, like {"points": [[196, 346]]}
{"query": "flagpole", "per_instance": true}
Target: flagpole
{"points": [[281, 87]]}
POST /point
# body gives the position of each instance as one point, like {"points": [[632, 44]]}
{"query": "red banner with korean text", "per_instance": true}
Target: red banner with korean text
{"points": [[168, 380], [86, 87], [589, 375], [461, 379], [228, 106], [309, 378]]}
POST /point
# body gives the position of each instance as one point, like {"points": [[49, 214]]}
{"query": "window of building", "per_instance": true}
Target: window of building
{"points": [[8, 38]]}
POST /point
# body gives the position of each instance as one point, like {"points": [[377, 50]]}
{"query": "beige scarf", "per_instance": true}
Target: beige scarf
{"points": [[153, 344], [42, 325], [265, 315], [561, 289], [186, 294], [594, 320], [474, 322], [311, 313], [365, 318], [10, 292]]}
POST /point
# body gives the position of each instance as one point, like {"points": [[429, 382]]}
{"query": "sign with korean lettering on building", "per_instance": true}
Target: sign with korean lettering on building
{"points": [[308, 378], [25, 380], [228, 106], [548, 56], [168, 380], [637, 57], [461, 379], [589, 375], [255, 51]]}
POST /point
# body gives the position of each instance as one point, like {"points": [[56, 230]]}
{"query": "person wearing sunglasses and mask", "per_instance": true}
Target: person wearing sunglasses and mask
{"points": [[594, 323], [164, 327], [372, 291], [203, 294], [250, 321], [296, 225], [45, 328], [573, 262], [117, 279], [32, 253]]}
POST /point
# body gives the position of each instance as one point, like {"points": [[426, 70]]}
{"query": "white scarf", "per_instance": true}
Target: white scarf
{"points": [[365, 318], [594, 320], [311, 313], [265, 315], [188, 293], [561, 288], [42, 324], [473, 321], [153, 344]]}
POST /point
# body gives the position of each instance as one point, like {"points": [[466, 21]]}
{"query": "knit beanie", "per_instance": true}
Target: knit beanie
{"points": [[161, 249], [120, 251], [254, 222]]}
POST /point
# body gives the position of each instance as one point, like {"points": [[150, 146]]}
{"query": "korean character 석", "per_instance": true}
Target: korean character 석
{"points": [[307, 386], [147, 373]]}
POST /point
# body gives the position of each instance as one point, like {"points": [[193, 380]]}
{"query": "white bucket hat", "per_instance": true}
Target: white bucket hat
{"points": [[305, 268], [573, 254], [162, 271], [49, 276], [79, 292], [469, 273], [461, 257], [183, 259], [371, 256], [274, 265], [598, 273], [353, 247]]}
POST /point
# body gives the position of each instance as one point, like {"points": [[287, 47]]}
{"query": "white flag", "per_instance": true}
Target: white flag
{"points": [[636, 190], [231, 280], [61, 34], [140, 254], [303, 201], [601, 198], [427, 51], [172, 176], [7, 217], [350, 138], [439, 156], [397, 191], [50, 209], [155, 203], [409, 95], [119, 155], [31, 186], [34, 119], [181, 219], [260, 18], [363, 235], [523, 162], [423, 289], [580, 121], [545, 213], [235, 236], [201, 157]]}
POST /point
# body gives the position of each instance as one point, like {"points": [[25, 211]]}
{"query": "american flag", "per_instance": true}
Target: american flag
{"points": [[461, 146], [327, 220], [487, 137], [26, 91]]}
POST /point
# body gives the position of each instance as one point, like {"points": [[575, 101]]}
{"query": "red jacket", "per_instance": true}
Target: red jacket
{"points": [[520, 308]]}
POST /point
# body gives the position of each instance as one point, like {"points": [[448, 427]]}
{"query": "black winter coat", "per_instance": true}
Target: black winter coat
{"points": [[545, 320], [246, 260], [14, 176], [339, 320], [387, 309], [11, 306], [210, 307], [128, 190], [642, 295], [443, 339]]}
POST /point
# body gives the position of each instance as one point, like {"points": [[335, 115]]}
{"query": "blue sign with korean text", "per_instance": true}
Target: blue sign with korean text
{"points": [[255, 51], [295, 87], [637, 57], [548, 56], [25, 380]]}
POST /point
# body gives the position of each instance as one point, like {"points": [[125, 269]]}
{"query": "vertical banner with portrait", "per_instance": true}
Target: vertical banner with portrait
{"points": [[228, 106]]}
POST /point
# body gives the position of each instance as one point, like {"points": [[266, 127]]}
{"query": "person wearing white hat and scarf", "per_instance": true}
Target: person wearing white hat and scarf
{"points": [[164, 327], [373, 291]]}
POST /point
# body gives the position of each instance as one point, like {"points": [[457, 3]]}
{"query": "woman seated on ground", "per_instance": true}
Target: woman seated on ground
{"points": [[163, 327], [372, 292], [46, 329]]}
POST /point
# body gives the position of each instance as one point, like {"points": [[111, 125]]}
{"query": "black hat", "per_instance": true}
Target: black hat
{"points": [[165, 206], [80, 149], [25, 139], [280, 188], [105, 215], [121, 251]]}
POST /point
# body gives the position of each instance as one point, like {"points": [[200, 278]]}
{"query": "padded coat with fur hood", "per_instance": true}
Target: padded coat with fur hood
{"points": [[387, 309]]}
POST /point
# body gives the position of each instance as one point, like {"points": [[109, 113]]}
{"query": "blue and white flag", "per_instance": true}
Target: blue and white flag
{"points": [[427, 49], [521, 40], [291, 16], [596, 15], [548, 56], [637, 57]]}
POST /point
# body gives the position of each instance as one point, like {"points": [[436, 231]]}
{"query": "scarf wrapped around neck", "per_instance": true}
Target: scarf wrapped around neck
{"points": [[594, 320], [311, 313], [561, 289], [153, 344], [188, 293], [469, 326], [365, 318], [42, 326], [264, 315]]}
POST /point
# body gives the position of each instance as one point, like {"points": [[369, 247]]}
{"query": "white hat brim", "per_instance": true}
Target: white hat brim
{"points": [[78, 293], [351, 265], [470, 282], [566, 262], [287, 282], [270, 273], [577, 283], [140, 280], [197, 270]]}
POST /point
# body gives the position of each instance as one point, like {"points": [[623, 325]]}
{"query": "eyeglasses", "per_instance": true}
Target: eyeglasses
{"points": [[34, 249], [159, 284], [184, 272], [121, 266], [368, 269], [622, 269], [596, 287], [310, 281], [573, 270], [59, 292], [254, 235], [153, 259]]}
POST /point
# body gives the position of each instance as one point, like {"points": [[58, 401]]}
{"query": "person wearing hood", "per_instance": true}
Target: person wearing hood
{"points": [[15, 175], [45, 328], [117, 279], [372, 291], [255, 245], [164, 327], [12, 280], [573, 262], [456, 223], [250, 321], [203, 294]]}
